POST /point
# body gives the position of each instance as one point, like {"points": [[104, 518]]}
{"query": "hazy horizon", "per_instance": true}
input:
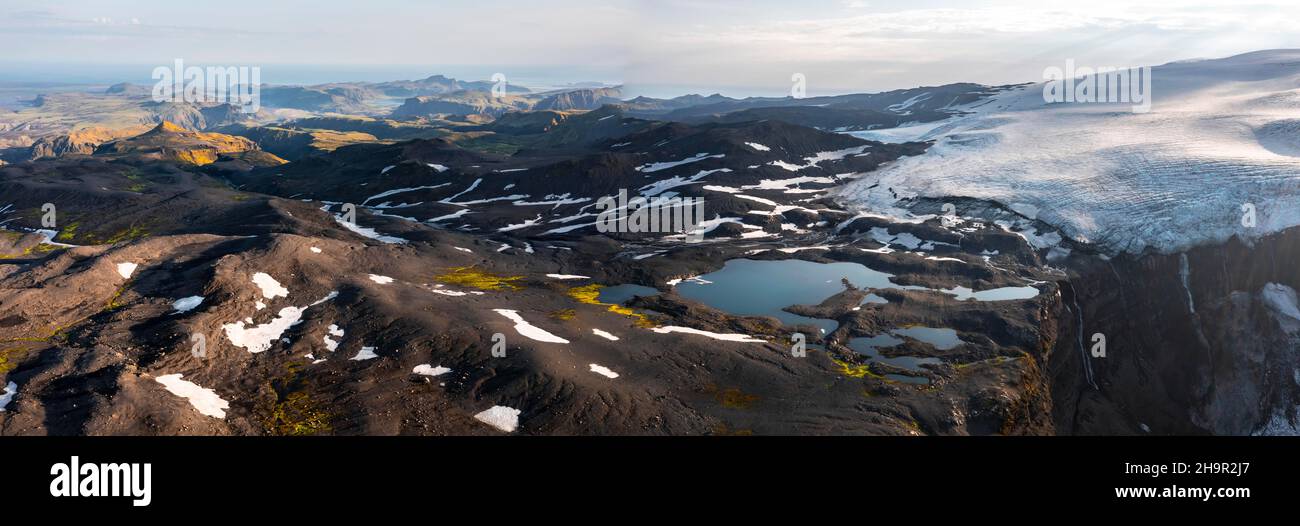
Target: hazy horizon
{"points": [[77, 76], [664, 48]]}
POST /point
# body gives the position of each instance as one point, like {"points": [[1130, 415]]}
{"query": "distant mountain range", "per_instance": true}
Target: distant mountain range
{"points": [[438, 101]]}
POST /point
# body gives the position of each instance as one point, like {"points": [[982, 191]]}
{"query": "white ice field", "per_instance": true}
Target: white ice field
{"points": [[1220, 134]]}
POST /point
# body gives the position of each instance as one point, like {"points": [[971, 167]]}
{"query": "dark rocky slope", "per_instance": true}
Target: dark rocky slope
{"points": [[1208, 355], [366, 307], [88, 359]]}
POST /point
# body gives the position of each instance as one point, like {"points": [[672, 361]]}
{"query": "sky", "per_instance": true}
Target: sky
{"points": [[657, 47]]}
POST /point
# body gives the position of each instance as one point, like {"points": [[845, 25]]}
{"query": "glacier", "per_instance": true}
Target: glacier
{"points": [[1221, 134]]}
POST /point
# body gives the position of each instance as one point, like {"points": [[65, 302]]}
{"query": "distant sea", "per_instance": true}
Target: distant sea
{"points": [[532, 76], [539, 78]]}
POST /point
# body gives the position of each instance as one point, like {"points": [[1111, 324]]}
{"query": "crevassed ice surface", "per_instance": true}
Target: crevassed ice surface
{"points": [[1220, 134]]}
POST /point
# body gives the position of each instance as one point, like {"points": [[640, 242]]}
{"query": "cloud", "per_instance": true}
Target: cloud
{"points": [[567, 32], [997, 44], [714, 45]]}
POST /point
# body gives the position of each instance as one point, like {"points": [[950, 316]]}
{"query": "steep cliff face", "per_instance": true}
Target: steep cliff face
{"points": [[172, 142], [293, 144], [460, 103], [82, 141], [1197, 342], [61, 145], [584, 99]]}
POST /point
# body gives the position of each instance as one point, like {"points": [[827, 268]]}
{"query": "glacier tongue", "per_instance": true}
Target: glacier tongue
{"points": [[1216, 139]]}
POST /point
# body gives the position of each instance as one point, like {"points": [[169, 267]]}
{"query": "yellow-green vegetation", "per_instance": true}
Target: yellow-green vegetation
{"points": [[294, 412], [54, 332], [590, 294], [72, 233], [854, 370], [139, 184], [564, 314], [69, 232], [1033, 400], [41, 248], [130, 233], [114, 302], [296, 415], [736, 399], [9, 358], [474, 277]]}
